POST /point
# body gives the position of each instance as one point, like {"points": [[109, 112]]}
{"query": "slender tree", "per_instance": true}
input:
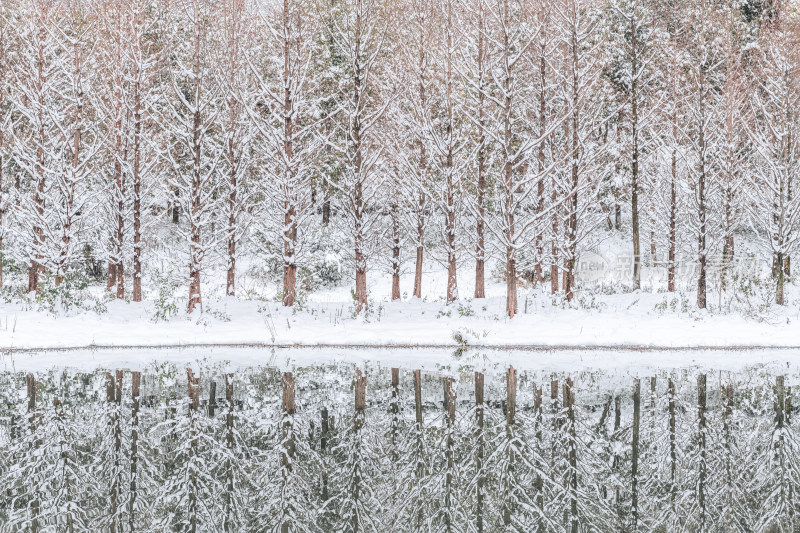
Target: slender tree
{"points": [[360, 37], [191, 119]]}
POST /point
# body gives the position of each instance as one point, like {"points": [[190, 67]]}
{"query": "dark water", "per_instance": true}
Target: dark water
{"points": [[320, 447]]}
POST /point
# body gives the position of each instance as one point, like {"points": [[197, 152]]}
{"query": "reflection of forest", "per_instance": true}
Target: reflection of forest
{"points": [[334, 448]]}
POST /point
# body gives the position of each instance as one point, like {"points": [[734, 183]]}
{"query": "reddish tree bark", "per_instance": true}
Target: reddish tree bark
{"points": [[290, 207], [395, 251], [137, 177]]}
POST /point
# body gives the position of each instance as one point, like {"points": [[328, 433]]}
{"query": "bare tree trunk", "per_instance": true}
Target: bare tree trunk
{"points": [[452, 281], [419, 468], [480, 249], [423, 174], [701, 245], [779, 278], [673, 214], [539, 243], [212, 399], [617, 458], [137, 182], [450, 207], [554, 244], [637, 257], [120, 270], [728, 242], [637, 401], [228, 525], [176, 207], [323, 447], [508, 177], [572, 457], [787, 263], [358, 170], [702, 471], [730, 163], [780, 402], [195, 251], [289, 445], [538, 482], [395, 251], [119, 179], [233, 39], [421, 206], [731, 473], [36, 267], [420, 247], [511, 412], [230, 280], [68, 201], [358, 424], [133, 493], [3, 61], [394, 410], [289, 265], [195, 298], [361, 268], [701, 196], [116, 421], [572, 222], [511, 282], [111, 277], [418, 398], [193, 392], [326, 209], [673, 446], [480, 451], [556, 419], [32, 387], [290, 207], [450, 420], [113, 421]]}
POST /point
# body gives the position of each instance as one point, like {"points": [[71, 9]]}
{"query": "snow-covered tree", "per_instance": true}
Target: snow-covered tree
{"points": [[772, 200], [359, 34], [234, 76], [191, 115], [286, 118]]}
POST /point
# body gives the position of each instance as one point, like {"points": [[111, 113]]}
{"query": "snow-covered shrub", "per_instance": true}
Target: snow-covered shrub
{"points": [[754, 296], [465, 309], [498, 272], [588, 300], [677, 303], [72, 293], [219, 314], [319, 262], [322, 264], [166, 305], [323, 268]]}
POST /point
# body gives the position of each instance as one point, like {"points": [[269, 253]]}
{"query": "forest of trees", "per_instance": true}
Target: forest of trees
{"points": [[333, 448], [402, 131]]}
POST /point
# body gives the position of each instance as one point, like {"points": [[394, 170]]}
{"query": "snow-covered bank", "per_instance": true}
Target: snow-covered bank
{"points": [[642, 319], [603, 315]]}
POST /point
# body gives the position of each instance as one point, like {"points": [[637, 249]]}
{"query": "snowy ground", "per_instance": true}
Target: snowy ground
{"points": [[641, 318], [629, 319]]}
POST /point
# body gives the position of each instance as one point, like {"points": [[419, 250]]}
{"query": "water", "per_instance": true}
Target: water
{"points": [[257, 440]]}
